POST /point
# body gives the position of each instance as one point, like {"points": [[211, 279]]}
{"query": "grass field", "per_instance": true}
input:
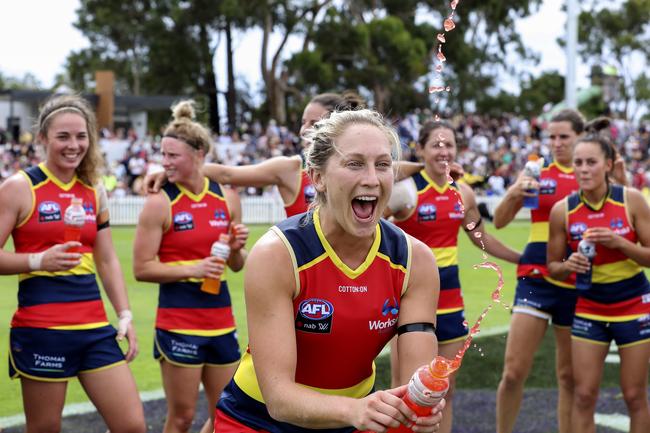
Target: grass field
{"points": [[480, 370]]}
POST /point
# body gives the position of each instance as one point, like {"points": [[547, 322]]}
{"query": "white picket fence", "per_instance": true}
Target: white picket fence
{"points": [[256, 210]]}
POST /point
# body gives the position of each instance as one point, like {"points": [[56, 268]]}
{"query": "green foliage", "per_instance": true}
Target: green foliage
{"points": [[27, 81]]}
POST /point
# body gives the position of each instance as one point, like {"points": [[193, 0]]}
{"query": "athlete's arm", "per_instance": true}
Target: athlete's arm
{"points": [[269, 293], [640, 215], [403, 200], [238, 231], [513, 200], [475, 228], [406, 169], [110, 272], [16, 203], [558, 265], [153, 221]]}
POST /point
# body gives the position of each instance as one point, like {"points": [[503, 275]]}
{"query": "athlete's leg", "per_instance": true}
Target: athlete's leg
{"points": [[43, 404], [588, 360], [634, 383], [524, 337], [115, 395], [449, 351], [181, 385], [564, 374], [214, 379]]}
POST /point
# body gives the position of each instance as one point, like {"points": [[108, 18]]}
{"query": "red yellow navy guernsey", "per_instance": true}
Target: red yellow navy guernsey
{"points": [[304, 196], [64, 300], [343, 318], [196, 221], [556, 182], [435, 221], [620, 290]]}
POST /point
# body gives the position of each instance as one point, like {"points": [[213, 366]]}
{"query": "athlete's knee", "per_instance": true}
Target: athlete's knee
{"points": [[636, 398], [182, 418], [44, 426], [564, 375], [585, 398], [513, 376]]}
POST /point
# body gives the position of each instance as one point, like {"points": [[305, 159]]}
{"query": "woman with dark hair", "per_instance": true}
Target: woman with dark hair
{"points": [[317, 295], [614, 303], [433, 210], [195, 339], [538, 297], [60, 330]]}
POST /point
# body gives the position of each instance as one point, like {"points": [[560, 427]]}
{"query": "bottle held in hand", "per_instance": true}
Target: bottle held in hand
{"points": [[220, 249], [532, 169], [428, 385], [74, 219], [587, 249]]}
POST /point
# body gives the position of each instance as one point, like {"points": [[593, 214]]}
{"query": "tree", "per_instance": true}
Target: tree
{"points": [[619, 36]]}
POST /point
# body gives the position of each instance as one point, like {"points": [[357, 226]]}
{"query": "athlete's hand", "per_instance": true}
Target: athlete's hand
{"points": [[382, 410], [238, 237], [520, 188], [57, 258], [132, 352], [456, 171], [210, 267], [619, 173], [577, 263], [603, 236], [154, 181]]}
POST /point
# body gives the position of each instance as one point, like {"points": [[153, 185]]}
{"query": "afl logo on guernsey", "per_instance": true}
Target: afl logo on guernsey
{"points": [[427, 212], [49, 211], [315, 315], [310, 192], [576, 230], [547, 186], [183, 221]]}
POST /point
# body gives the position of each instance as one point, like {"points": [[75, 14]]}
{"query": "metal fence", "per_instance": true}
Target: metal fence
{"points": [[255, 210]]}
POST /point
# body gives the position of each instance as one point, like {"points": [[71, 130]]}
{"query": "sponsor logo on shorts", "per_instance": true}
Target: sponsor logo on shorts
{"points": [[183, 221], [181, 349], [49, 211], [315, 315], [427, 212], [48, 362], [547, 186]]}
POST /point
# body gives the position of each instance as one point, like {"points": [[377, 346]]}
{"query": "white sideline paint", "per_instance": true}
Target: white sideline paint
{"points": [[616, 421], [83, 408]]}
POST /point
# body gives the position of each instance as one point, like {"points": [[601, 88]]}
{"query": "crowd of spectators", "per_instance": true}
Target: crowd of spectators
{"points": [[491, 150]]}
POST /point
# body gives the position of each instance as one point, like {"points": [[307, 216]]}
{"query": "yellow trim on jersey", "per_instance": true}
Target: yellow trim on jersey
{"points": [[203, 332], [391, 264], [559, 283], [194, 197], [80, 327], [614, 272], [432, 184], [562, 168], [575, 209], [407, 277], [445, 256], [57, 181], [292, 254], [190, 263], [601, 318], [538, 232], [448, 311], [314, 262], [32, 188], [86, 267], [246, 380], [350, 273]]}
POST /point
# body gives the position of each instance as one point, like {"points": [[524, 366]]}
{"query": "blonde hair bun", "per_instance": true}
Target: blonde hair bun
{"points": [[184, 110]]}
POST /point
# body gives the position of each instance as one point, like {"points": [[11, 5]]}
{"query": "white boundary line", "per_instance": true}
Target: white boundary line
{"points": [[616, 421], [83, 408]]}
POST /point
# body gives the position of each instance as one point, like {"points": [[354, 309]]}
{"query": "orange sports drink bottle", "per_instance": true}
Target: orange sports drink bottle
{"points": [[74, 219], [428, 385], [219, 249]]}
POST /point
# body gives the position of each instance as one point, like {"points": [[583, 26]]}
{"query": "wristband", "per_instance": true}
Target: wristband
{"points": [[417, 327], [35, 260]]}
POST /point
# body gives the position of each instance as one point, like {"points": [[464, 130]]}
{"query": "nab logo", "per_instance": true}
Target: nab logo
{"points": [[576, 230], [616, 223], [315, 315], [388, 308], [183, 221], [427, 212], [547, 186], [49, 211], [310, 192]]}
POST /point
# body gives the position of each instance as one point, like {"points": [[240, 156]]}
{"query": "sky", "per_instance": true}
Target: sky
{"points": [[38, 43]]}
